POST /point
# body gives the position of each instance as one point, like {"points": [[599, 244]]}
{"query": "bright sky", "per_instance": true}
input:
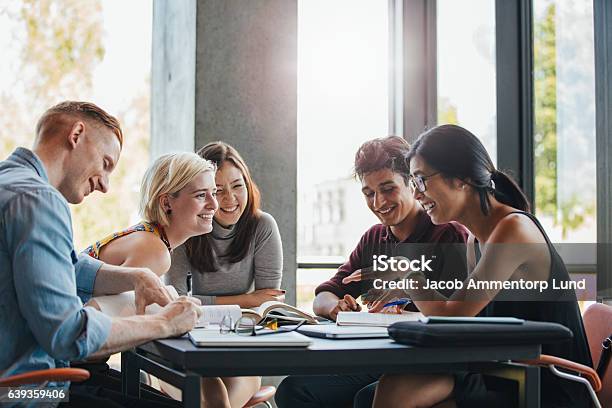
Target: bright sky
{"points": [[8, 52], [342, 84], [466, 65], [127, 61]]}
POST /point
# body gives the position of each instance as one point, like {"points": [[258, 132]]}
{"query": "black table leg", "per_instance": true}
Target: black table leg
{"points": [[527, 377], [191, 391], [130, 374], [529, 388]]}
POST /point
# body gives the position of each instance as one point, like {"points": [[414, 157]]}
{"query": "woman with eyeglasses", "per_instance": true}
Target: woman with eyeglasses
{"points": [[241, 260], [454, 179]]}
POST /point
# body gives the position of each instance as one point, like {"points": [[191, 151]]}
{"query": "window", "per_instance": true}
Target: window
{"points": [[564, 135], [466, 68], [342, 102]]}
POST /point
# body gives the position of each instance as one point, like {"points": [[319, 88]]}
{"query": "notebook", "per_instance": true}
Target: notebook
{"points": [[332, 331], [375, 319], [212, 338]]}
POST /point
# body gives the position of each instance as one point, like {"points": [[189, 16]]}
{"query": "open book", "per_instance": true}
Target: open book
{"points": [[280, 311], [375, 319]]}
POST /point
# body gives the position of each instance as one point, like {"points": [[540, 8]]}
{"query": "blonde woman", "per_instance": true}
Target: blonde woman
{"points": [[177, 202]]}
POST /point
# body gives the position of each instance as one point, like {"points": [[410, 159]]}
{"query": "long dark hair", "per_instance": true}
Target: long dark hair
{"points": [[456, 153], [199, 249]]}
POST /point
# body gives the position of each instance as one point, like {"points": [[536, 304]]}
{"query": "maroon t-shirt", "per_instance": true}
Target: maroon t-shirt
{"points": [[379, 239]]}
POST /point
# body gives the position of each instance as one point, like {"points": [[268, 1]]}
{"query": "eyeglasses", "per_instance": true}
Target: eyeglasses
{"points": [[417, 183], [246, 326]]}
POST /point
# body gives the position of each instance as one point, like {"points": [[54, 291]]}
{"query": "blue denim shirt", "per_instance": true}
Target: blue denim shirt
{"points": [[43, 283]]}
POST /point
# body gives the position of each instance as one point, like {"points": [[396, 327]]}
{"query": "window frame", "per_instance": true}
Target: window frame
{"points": [[515, 102], [602, 14], [419, 56]]}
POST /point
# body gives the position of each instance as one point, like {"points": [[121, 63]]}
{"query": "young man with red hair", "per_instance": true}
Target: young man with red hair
{"points": [[382, 168]]}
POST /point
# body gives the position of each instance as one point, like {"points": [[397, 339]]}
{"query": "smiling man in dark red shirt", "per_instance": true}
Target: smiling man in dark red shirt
{"points": [[383, 172], [381, 167]]}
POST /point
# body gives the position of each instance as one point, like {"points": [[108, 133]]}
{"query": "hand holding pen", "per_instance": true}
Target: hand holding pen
{"points": [[396, 306], [377, 299]]}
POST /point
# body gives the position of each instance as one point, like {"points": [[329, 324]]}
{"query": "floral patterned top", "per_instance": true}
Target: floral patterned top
{"points": [[94, 250]]}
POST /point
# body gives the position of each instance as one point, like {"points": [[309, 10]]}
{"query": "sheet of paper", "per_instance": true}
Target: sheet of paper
{"points": [[213, 314], [123, 304]]}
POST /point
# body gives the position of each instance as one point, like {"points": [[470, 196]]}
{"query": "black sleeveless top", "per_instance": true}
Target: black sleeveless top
{"points": [[555, 392]]}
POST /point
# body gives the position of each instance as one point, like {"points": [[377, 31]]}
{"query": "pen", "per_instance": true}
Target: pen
{"points": [[189, 283], [397, 302]]}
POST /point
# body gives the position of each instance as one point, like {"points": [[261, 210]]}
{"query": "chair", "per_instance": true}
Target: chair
{"points": [[43, 376], [261, 397], [598, 326]]}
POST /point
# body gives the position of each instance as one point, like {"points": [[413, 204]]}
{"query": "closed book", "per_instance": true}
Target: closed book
{"points": [[375, 319]]}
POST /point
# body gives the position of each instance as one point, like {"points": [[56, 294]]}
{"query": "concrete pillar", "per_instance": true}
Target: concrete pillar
{"points": [[227, 70], [173, 76]]}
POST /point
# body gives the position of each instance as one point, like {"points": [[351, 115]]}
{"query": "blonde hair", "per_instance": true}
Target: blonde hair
{"points": [[168, 174]]}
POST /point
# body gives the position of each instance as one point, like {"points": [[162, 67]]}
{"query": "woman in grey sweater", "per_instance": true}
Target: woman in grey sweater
{"points": [[240, 261]]}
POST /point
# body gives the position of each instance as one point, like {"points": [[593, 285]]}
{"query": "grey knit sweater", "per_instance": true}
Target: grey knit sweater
{"points": [[261, 268]]}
